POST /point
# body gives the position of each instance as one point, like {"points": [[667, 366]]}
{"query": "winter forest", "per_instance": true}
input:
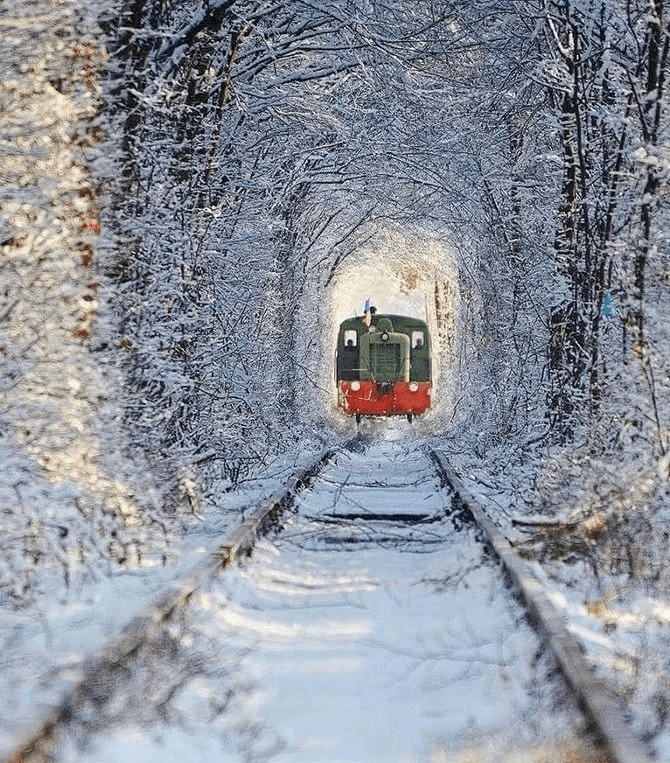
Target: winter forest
{"points": [[258, 148], [194, 194]]}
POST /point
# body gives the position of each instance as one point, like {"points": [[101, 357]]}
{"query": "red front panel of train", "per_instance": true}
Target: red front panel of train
{"points": [[368, 400]]}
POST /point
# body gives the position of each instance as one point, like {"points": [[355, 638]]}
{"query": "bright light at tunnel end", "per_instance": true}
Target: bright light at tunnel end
{"points": [[408, 275]]}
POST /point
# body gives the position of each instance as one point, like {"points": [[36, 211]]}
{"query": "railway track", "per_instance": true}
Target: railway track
{"points": [[370, 623]]}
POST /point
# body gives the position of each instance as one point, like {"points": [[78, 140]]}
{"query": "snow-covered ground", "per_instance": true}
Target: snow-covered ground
{"points": [[596, 535], [45, 646], [349, 636]]}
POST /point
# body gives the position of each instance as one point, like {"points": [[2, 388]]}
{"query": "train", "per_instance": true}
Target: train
{"points": [[383, 366]]}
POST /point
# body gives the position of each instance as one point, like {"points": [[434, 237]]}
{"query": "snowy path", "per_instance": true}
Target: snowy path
{"points": [[352, 639]]}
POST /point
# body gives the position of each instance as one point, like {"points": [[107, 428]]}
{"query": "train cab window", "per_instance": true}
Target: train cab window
{"points": [[350, 339], [417, 340]]}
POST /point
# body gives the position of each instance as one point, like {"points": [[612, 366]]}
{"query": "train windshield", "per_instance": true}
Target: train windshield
{"points": [[350, 338]]}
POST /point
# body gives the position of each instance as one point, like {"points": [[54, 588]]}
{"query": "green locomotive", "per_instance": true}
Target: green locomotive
{"points": [[383, 366]]}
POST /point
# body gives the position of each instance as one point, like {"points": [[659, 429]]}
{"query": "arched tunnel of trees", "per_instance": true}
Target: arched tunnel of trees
{"points": [[194, 196], [501, 165]]}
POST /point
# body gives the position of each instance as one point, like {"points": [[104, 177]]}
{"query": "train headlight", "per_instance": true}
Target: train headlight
{"points": [[385, 336], [413, 387], [355, 386]]}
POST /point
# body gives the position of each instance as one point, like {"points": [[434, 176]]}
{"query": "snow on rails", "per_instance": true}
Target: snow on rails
{"points": [[113, 662], [368, 622], [603, 709]]}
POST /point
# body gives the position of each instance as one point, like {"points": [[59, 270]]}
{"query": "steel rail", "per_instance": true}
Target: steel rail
{"points": [[145, 626], [598, 702]]}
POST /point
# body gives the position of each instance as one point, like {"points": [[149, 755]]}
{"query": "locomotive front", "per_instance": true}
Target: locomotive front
{"points": [[383, 366]]}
